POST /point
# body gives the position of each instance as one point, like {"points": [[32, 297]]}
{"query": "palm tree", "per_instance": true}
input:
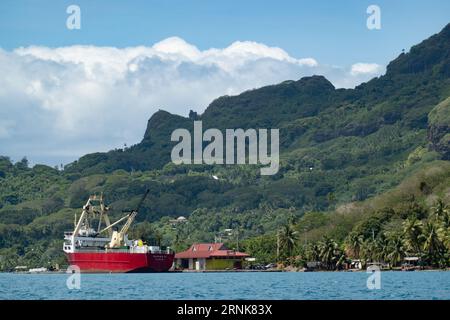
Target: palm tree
{"points": [[432, 246], [442, 216], [353, 244], [368, 250], [313, 252], [396, 250], [328, 249], [382, 248], [444, 230], [446, 240], [439, 209], [292, 218], [445, 219], [340, 258], [412, 229], [287, 239]]}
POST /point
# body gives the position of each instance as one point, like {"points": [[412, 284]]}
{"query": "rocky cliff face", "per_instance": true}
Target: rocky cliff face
{"points": [[439, 128], [440, 140]]}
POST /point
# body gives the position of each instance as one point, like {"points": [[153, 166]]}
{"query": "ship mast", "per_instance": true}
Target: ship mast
{"points": [[89, 209], [83, 225]]}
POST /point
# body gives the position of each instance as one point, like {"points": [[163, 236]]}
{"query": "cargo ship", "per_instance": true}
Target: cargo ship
{"points": [[96, 245]]}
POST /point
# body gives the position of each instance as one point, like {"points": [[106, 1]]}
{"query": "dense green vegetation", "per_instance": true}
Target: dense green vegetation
{"points": [[410, 220], [364, 165]]}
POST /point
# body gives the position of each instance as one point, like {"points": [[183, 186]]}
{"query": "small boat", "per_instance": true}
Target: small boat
{"points": [[408, 267]]}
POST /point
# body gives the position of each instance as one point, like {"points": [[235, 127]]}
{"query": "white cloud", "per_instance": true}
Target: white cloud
{"points": [[57, 104], [365, 68]]}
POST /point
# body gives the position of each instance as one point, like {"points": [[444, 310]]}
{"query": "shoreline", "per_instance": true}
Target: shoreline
{"points": [[234, 271]]}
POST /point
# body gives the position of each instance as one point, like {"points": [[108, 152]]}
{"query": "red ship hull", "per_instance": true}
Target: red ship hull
{"points": [[120, 262]]}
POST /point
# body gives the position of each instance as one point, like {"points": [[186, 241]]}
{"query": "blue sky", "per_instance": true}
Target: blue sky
{"points": [[131, 58], [332, 32]]}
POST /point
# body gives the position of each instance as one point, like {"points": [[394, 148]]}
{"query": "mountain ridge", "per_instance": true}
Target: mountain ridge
{"points": [[346, 154], [425, 69]]}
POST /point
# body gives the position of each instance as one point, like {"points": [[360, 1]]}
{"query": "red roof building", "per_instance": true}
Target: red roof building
{"points": [[209, 256]]}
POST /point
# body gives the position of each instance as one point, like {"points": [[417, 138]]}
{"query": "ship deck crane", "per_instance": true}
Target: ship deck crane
{"points": [[118, 237]]}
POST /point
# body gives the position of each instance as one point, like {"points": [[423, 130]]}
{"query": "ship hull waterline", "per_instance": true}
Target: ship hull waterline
{"points": [[121, 262]]}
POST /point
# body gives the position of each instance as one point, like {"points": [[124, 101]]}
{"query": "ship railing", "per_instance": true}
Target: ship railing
{"points": [[158, 251], [101, 250], [124, 250], [118, 250]]}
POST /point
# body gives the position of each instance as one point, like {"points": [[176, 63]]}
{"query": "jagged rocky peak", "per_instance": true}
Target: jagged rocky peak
{"points": [[162, 122], [431, 54], [315, 83]]}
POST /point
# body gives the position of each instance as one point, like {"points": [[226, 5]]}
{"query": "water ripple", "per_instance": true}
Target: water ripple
{"points": [[228, 285]]}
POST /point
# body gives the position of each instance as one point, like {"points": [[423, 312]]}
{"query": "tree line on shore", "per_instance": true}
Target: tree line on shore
{"points": [[426, 237]]}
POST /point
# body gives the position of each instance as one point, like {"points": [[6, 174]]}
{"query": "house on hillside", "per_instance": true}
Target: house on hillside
{"points": [[179, 220], [209, 256]]}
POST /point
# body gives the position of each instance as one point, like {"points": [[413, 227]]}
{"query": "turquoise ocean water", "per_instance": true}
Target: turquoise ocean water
{"points": [[228, 285]]}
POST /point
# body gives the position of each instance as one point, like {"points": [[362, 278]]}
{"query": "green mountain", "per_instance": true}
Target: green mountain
{"points": [[339, 148], [308, 112]]}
